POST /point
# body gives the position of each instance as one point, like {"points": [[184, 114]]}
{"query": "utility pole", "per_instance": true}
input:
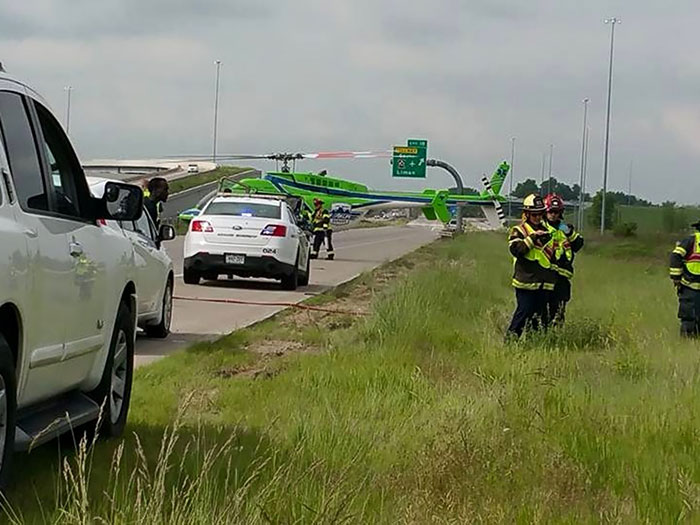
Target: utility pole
{"points": [[216, 107], [583, 154], [512, 175], [68, 90], [551, 154], [613, 22]]}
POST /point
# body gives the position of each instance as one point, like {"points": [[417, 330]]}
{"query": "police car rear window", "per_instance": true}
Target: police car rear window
{"points": [[244, 209]]}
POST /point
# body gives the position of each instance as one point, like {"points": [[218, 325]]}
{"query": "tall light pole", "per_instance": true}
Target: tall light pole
{"points": [[583, 154], [585, 171], [512, 174], [68, 90], [544, 160], [613, 22], [551, 154], [629, 193], [216, 107]]}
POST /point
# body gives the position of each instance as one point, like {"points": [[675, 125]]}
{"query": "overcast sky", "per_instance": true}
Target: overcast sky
{"points": [[316, 75]]}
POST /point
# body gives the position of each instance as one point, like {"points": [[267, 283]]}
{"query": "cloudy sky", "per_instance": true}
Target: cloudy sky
{"points": [[316, 75]]}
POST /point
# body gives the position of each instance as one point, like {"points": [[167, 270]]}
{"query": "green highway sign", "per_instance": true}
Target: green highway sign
{"points": [[409, 161]]}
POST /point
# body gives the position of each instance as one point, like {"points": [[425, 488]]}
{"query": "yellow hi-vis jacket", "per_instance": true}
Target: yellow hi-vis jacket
{"points": [[533, 268], [685, 262]]}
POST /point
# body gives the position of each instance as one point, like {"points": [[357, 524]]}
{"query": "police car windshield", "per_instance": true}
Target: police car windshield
{"points": [[244, 209]]}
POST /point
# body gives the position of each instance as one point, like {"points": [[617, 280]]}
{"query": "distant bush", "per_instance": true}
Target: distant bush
{"points": [[625, 229]]}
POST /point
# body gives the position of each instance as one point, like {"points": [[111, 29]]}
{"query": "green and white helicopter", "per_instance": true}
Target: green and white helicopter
{"points": [[348, 201]]}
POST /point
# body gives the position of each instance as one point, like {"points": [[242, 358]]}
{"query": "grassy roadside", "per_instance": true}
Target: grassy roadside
{"points": [[192, 181], [415, 413]]}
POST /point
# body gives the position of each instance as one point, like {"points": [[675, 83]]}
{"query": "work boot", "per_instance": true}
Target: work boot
{"points": [[314, 255], [331, 256]]}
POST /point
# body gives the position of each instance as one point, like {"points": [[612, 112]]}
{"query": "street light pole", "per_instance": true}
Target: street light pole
{"points": [[216, 107], [68, 89], [583, 154], [512, 174], [613, 22], [585, 173], [629, 193], [551, 154], [544, 160]]}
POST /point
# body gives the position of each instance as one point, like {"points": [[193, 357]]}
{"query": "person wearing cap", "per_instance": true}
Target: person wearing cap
{"points": [[323, 231], [158, 192], [566, 242], [531, 245], [685, 275]]}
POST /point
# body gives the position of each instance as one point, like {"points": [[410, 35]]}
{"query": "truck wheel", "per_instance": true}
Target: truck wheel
{"points": [[162, 329], [191, 277], [304, 278], [114, 391], [291, 281], [8, 410]]}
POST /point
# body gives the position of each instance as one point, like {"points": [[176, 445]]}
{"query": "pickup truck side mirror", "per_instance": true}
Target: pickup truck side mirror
{"points": [[166, 233], [120, 202]]}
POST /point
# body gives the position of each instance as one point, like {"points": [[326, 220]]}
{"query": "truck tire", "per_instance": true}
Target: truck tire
{"points": [[191, 277], [162, 329], [8, 410], [114, 391]]}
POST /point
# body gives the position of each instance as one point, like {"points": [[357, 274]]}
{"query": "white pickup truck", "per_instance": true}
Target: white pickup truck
{"points": [[68, 299]]}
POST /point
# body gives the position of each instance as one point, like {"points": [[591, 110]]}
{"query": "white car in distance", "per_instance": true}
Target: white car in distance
{"points": [[154, 268], [247, 236]]}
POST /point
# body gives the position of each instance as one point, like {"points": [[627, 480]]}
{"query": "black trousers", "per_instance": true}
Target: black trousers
{"points": [[556, 306], [329, 238], [689, 311], [319, 236], [530, 312]]}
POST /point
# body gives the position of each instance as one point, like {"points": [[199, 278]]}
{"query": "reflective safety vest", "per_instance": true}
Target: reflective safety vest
{"points": [[691, 263], [562, 249], [321, 220], [542, 255]]}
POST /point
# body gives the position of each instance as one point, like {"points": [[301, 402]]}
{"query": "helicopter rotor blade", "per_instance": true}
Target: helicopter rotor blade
{"points": [[347, 154]]}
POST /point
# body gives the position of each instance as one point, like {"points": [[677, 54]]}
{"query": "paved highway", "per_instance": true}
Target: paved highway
{"points": [[357, 250]]}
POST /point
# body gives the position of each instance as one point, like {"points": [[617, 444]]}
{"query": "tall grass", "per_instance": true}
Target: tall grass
{"points": [[420, 413]]}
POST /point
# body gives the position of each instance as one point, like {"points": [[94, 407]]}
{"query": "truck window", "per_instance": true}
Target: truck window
{"points": [[22, 153]]}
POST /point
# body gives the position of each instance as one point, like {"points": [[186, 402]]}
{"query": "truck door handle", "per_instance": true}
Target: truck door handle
{"points": [[32, 233], [76, 249]]}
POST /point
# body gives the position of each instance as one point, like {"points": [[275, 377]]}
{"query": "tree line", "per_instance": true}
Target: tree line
{"points": [[572, 193]]}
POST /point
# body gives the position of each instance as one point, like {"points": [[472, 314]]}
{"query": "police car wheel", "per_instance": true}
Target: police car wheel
{"points": [[306, 276], [291, 281]]}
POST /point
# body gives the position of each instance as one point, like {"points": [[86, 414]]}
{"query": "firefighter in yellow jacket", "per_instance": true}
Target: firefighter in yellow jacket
{"points": [[685, 274], [532, 248], [323, 230]]}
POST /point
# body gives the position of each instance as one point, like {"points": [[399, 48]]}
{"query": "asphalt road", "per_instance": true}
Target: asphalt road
{"points": [[183, 200], [357, 250]]}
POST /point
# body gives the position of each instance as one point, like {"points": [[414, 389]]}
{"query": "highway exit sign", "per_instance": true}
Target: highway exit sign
{"points": [[409, 161]]}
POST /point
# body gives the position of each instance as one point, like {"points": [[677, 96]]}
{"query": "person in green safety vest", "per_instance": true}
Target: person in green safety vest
{"points": [[530, 243], [323, 231], [685, 275], [567, 242]]}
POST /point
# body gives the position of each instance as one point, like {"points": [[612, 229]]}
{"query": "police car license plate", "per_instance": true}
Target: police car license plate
{"points": [[234, 259]]}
